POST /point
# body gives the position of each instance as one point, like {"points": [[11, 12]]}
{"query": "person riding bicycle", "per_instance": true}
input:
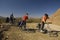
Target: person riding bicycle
{"points": [[23, 21], [43, 20]]}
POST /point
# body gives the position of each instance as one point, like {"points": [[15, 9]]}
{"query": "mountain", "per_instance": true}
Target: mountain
{"points": [[55, 18]]}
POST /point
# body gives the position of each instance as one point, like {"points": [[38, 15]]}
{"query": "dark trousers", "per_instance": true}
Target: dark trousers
{"points": [[12, 20], [42, 26], [22, 24]]}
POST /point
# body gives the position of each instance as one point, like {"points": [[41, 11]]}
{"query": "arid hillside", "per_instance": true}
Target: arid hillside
{"points": [[55, 18]]}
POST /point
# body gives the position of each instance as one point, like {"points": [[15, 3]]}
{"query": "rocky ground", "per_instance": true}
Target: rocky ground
{"points": [[15, 33]]}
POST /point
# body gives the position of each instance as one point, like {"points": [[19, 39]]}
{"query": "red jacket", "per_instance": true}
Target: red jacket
{"points": [[25, 18]]}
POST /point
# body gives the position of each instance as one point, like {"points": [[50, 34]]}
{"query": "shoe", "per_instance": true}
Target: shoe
{"points": [[41, 31]]}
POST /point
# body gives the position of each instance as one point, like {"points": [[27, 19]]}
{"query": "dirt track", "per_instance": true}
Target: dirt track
{"points": [[14, 33]]}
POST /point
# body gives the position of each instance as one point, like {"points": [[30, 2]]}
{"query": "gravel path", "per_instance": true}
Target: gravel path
{"points": [[14, 33]]}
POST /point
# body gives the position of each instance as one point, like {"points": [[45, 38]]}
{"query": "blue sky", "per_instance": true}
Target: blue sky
{"points": [[35, 8]]}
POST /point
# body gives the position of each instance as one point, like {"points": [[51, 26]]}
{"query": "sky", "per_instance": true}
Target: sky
{"points": [[35, 8]]}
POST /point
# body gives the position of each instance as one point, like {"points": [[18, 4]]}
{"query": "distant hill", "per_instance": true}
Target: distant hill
{"points": [[1, 17], [55, 18]]}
